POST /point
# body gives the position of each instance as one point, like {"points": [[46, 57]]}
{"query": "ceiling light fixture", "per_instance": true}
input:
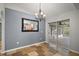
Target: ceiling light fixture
{"points": [[40, 15]]}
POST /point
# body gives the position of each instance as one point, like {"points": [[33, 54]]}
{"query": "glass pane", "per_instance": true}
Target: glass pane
{"points": [[53, 37], [66, 28], [63, 36]]}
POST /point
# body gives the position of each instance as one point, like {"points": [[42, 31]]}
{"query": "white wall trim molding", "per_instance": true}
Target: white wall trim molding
{"points": [[2, 10], [3, 30], [74, 51], [11, 50]]}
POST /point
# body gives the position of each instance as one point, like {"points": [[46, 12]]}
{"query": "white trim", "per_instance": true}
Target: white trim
{"points": [[3, 29], [1, 37], [22, 47], [75, 51], [2, 21]]}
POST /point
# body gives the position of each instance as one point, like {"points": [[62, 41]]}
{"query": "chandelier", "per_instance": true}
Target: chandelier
{"points": [[40, 15]]}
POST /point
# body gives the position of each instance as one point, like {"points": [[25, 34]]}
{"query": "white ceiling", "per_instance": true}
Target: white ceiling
{"points": [[50, 9]]}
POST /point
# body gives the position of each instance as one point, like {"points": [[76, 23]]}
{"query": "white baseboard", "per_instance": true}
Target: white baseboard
{"points": [[74, 51], [22, 47]]}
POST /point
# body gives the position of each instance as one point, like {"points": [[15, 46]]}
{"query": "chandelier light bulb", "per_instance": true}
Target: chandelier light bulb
{"points": [[44, 15], [41, 13]]}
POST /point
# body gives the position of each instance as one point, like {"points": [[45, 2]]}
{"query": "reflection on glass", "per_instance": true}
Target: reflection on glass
{"points": [[60, 31], [63, 28], [29, 25]]}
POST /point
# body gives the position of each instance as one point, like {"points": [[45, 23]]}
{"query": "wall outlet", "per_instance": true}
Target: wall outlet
{"points": [[17, 43]]}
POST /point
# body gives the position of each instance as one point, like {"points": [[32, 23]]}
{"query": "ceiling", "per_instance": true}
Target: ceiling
{"points": [[50, 9]]}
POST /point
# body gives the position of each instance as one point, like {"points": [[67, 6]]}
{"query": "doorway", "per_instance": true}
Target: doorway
{"points": [[59, 36]]}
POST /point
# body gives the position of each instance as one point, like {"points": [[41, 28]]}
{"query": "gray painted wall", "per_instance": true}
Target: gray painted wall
{"points": [[13, 33]]}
